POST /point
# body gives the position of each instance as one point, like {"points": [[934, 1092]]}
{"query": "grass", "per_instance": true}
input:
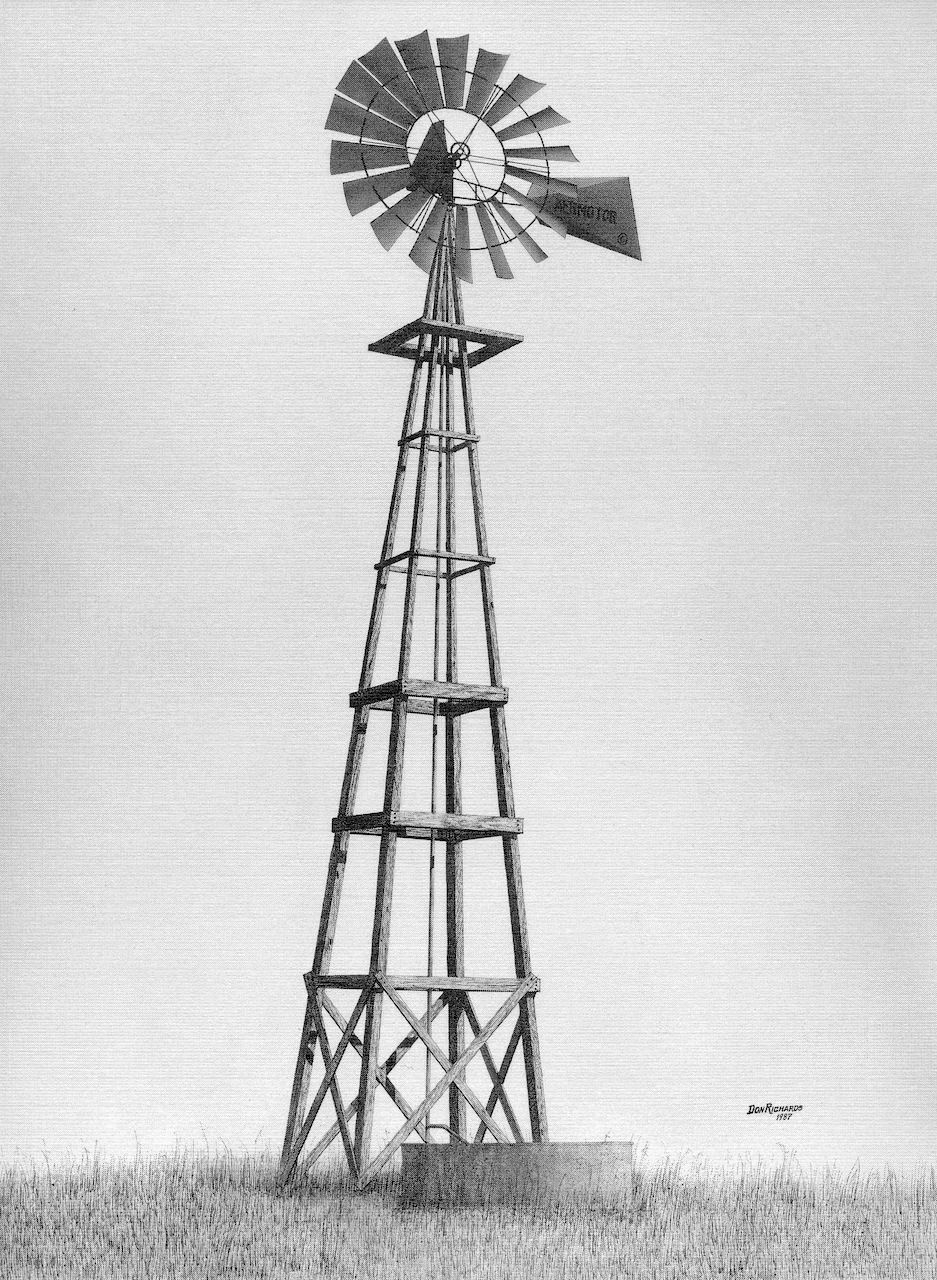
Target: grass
{"points": [[197, 1215]]}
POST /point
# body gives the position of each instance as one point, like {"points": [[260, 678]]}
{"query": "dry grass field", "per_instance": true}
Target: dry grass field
{"points": [[191, 1215]]}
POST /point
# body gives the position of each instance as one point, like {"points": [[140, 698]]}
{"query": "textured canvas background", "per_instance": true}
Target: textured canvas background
{"points": [[710, 481]]}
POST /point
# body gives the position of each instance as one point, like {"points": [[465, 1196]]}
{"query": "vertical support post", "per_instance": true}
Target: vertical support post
{"points": [[512, 868], [455, 910], [380, 938], [339, 854]]}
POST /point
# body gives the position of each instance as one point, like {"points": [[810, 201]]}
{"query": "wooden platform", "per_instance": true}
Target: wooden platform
{"points": [[413, 824]]}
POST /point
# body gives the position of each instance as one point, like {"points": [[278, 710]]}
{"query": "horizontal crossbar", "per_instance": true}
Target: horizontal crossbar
{"points": [[416, 982], [468, 557], [440, 435], [451, 699], [416, 825]]}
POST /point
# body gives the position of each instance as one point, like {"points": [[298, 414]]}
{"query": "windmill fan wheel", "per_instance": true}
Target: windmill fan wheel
{"points": [[428, 135]]}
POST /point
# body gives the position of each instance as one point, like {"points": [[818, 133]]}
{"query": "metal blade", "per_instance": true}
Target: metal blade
{"points": [[539, 122], [424, 250], [531, 175], [417, 53], [535, 207], [361, 87], [390, 225], [361, 193], [355, 157], [495, 252], [518, 91], [556, 154], [386, 67], [488, 66], [463, 249], [453, 59], [520, 233], [348, 117]]}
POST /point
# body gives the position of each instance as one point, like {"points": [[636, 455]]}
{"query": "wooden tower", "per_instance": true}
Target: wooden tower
{"points": [[439, 438]]}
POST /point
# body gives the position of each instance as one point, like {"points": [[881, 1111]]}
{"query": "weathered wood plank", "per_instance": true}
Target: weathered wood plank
{"points": [[418, 825], [458, 1080], [447, 690], [417, 982], [458, 1067]]}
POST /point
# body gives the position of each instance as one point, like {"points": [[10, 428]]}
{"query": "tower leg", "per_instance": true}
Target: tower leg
{"points": [[380, 938], [455, 910]]}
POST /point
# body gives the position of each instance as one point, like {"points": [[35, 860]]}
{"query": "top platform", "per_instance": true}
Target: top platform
{"points": [[405, 342]]}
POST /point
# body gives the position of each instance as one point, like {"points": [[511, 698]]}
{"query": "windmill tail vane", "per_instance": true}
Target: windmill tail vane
{"points": [[431, 143]]}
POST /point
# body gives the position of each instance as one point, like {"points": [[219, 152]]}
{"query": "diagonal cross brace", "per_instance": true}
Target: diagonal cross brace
{"points": [[498, 1091], [468, 1093], [336, 1092], [502, 1074], [407, 1043], [461, 1062], [330, 1069]]}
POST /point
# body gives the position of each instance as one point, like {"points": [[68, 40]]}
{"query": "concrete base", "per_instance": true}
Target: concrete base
{"points": [[545, 1175]]}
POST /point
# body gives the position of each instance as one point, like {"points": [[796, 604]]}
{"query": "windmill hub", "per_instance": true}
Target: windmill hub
{"points": [[450, 146]]}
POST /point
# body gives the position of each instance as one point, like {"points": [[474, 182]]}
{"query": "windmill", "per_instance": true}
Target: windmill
{"points": [[452, 160]]}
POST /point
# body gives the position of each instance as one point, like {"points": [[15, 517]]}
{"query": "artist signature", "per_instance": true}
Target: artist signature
{"points": [[780, 1113]]}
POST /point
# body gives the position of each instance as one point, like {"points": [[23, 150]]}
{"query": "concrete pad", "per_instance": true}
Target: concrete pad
{"points": [[543, 1174]]}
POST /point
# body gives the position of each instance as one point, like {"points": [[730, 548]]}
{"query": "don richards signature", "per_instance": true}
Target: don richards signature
{"points": [[779, 1113]]}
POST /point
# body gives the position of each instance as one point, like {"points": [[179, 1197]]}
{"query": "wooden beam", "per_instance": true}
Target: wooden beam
{"points": [[418, 824], [459, 1081], [468, 1053], [331, 1066], [429, 554], [380, 935], [455, 907], [496, 1082], [286, 1169], [415, 982], [442, 690], [502, 1074]]}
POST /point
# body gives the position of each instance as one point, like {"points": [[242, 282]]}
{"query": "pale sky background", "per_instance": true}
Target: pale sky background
{"points": [[711, 485]]}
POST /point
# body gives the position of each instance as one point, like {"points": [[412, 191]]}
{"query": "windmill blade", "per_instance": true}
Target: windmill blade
{"points": [[520, 233], [453, 60], [348, 117], [535, 207], [423, 251], [417, 53], [539, 122], [488, 66], [518, 91], [354, 157], [390, 225], [531, 175], [555, 154], [361, 87], [463, 248], [493, 244], [361, 193], [385, 66]]}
